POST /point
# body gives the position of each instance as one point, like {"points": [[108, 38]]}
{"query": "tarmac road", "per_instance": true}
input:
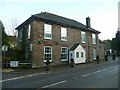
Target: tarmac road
{"points": [[104, 75]]}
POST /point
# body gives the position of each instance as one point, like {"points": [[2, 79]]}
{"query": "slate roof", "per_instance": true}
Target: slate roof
{"points": [[59, 20], [74, 47]]}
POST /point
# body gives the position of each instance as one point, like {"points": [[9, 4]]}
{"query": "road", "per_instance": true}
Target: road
{"points": [[103, 75]]}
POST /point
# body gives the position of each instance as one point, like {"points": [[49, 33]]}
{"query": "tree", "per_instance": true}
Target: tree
{"points": [[4, 36], [116, 42], [13, 24], [107, 44]]}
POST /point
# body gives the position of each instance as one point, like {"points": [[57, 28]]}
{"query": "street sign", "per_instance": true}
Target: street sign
{"points": [[14, 63], [4, 48]]}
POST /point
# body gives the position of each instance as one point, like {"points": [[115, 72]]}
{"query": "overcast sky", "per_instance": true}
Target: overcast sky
{"points": [[103, 13]]}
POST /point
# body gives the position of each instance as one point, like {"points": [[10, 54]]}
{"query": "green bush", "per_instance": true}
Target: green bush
{"points": [[17, 55]]}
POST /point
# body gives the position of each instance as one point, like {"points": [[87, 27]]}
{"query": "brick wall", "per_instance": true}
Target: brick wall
{"points": [[38, 41]]}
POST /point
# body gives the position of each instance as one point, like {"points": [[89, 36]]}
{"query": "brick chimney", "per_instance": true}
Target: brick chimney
{"points": [[88, 22]]}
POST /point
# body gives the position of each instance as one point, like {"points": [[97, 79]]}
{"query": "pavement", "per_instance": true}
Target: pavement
{"points": [[17, 72]]}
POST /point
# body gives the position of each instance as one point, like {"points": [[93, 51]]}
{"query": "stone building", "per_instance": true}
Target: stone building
{"points": [[46, 36], [101, 49]]}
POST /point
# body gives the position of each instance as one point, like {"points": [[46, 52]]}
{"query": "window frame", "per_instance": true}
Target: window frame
{"points": [[47, 53], [82, 54], [94, 39], [83, 38], [29, 31], [64, 54], [45, 31], [94, 53], [77, 54], [63, 34]]}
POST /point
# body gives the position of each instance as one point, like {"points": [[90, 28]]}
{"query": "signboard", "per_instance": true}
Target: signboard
{"points": [[14, 63], [4, 48]]}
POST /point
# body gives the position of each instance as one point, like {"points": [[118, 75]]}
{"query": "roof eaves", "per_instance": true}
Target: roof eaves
{"points": [[24, 23]]}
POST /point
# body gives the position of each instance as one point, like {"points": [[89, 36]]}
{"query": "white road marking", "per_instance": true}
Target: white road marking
{"points": [[98, 71], [94, 72], [20, 77], [54, 84]]}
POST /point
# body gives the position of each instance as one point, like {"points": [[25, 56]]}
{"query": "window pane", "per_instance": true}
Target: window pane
{"points": [[63, 33], [47, 49], [47, 56], [83, 36], [77, 54], [63, 56], [94, 53], [47, 35], [94, 38], [29, 30], [48, 53], [48, 31], [64, 50], [82, 54]]}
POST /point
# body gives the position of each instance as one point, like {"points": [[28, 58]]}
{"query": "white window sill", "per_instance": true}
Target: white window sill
{"points": [[45, 61], [64, 60], [63, 40], [47, 38], [83, 42]]}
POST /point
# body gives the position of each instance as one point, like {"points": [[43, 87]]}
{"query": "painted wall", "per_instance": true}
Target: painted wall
{"points": [[80, 59]]}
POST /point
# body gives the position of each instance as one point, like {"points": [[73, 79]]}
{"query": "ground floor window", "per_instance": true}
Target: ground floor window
{"points": [[77, 54], [64, 54], [94, 53], [47, 53], [82, 54]]}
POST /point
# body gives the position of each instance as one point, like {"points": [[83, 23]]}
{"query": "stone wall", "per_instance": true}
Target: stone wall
{"points": [[73, 37]]}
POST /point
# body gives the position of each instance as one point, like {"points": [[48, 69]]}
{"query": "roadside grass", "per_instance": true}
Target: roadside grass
{"points": [[7, 70]]}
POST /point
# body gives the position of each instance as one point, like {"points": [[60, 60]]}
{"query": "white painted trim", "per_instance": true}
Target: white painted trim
{"points": [[64, 53], [48, 53], [82, 32], [45, 33], [66, 34]]}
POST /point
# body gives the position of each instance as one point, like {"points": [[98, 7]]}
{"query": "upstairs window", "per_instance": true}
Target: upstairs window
{"points": [[94, 38], [83, 37], [29, 30], [63, 34], [30, 47], [47, 31], [20, 33]]}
